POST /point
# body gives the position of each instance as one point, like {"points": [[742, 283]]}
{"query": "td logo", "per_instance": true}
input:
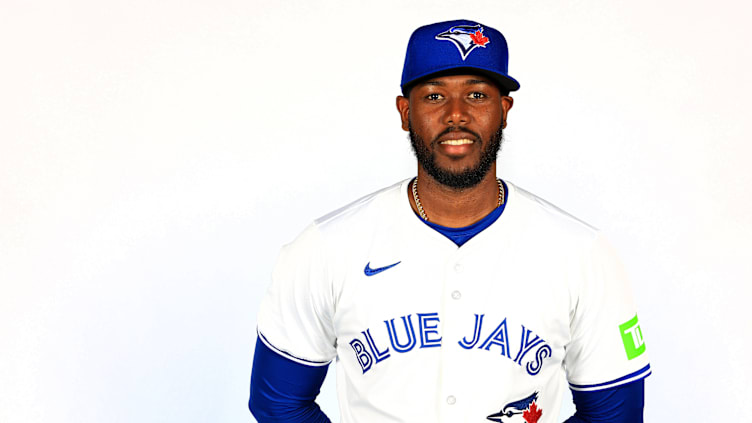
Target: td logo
{"points": [[631, 335]]}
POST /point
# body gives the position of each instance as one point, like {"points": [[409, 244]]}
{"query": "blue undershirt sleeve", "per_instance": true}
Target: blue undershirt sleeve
{"points": [[284, 391], [621, 404]]}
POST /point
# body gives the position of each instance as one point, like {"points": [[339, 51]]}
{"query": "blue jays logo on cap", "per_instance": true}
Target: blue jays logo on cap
{"points": [[432, 51], [465, 37]]}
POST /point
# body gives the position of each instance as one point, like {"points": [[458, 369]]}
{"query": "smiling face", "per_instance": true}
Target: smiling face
{"points": [[455, 124]]}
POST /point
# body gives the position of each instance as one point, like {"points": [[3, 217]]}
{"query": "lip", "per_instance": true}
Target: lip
{"points": [[457, 135], [456, 142], [457, 147]]}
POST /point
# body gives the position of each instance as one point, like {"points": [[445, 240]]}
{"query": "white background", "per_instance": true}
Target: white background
{"points": [[154, 156]]}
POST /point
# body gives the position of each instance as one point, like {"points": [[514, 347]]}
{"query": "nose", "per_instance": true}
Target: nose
{"points": [[456, 112]]}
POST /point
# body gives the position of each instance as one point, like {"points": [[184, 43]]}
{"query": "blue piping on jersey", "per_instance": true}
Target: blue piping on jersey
{"points": [[645, 373], [263, 339]]}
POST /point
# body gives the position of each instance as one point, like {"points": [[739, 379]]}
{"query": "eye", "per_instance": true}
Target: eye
{"points": [[477, 95], [434, 97]]}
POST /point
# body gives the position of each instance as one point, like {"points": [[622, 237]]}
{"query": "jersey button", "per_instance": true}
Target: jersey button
{"points": [[456, 295], [451, 400], [458, 267]]}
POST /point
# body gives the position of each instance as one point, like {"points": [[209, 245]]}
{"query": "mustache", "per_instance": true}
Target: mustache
{"points": [[457, 129]]}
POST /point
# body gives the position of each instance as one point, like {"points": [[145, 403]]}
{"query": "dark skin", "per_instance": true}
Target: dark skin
{"points": [[472, 102]]}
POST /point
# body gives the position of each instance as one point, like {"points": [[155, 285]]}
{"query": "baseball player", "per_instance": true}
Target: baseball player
{"points": [[452, 296]]}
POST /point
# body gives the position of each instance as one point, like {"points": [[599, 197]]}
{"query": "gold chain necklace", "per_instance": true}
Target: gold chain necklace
{"points": [[423, 212]]}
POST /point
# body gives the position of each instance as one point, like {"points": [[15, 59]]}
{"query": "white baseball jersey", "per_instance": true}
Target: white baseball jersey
{"points": [[425, 331]]}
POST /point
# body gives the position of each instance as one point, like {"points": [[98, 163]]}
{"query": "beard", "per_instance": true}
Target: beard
{"points": [[467, 177]]}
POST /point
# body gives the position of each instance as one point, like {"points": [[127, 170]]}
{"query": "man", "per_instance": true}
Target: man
{"points": [[453, 296]]}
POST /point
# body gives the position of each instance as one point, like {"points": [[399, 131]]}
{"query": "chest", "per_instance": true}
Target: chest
{"points": [[504, 298]]}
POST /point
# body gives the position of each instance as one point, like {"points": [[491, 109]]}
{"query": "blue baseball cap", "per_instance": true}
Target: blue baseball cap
{"points": [[452, 47]]}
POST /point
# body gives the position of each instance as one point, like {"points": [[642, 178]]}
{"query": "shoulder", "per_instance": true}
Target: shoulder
{"points": [[358, 220], [546, 228], [366, 213], [541, 220], [547, 210], [331, 243]]}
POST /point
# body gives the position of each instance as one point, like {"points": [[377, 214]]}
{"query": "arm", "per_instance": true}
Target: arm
{"points": [[296, 336], [283, 390], [606, 360], [621, 404]]}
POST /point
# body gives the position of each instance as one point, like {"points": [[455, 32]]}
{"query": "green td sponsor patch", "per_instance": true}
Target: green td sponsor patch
{"points": [[631, 335]]}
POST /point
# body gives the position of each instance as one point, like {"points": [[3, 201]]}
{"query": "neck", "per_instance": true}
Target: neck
{"points": [[456, 208]]}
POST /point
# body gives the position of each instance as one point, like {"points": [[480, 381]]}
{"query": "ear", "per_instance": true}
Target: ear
{"points": [[506, 105], [403, 107]]}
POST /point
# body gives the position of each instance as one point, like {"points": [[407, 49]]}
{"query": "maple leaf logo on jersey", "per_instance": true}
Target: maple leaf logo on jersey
{"points": [[465, 37], [532, 414], [526, 409]]}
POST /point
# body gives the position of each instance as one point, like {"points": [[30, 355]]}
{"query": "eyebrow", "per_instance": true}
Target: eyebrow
{"points": [[467, 82]]}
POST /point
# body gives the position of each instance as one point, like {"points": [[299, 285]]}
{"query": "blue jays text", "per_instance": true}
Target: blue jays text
{"points": [[530, 354]]}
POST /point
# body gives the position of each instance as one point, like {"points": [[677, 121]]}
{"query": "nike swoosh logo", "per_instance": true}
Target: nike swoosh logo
{"points": [[370, 272]]}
